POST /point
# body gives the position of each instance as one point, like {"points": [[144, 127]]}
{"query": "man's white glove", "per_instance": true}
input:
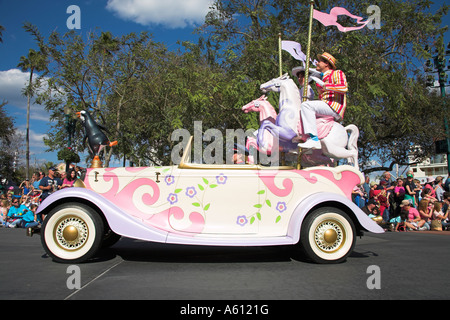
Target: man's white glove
{"points": [[315, 73], [318, 81]]}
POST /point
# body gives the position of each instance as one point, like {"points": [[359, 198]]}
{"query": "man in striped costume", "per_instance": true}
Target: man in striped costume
{"points": [[332, 94]]}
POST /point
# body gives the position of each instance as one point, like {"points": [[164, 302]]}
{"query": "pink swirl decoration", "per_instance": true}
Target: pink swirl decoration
{"points": [[161, 220], [346, 183], [268, 178], [126, 201]]}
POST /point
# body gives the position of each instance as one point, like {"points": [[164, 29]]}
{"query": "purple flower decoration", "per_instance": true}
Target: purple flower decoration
{"points": [[281, 206], [169, 180], [172, 198], [191, 192], [221, 179], [241, 220]]}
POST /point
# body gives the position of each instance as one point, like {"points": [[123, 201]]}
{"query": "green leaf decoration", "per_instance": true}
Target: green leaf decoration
{"points": [[178, 190], [261, 191], [201, 187], [258, 205], [252, 219], [196, 204], [278, 219], [206, 207], [213, 185], [205, 181], [258, 215], [269, 203]]}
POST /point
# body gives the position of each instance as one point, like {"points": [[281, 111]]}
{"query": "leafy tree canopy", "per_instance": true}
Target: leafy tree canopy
{"points": [[142, 91]]}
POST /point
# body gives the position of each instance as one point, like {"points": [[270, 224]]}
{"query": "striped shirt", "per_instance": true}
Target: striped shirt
{"points": [[334, 91]]}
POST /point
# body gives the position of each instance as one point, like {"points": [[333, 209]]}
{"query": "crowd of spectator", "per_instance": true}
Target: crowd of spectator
{"points": [[18, 204], [406, 204]]}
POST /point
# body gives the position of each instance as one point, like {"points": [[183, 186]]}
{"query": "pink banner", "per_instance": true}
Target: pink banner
{"points": [[330, 19]]}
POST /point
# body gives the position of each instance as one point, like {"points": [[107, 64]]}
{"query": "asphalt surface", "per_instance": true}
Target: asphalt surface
{"points": [[393, 265]]}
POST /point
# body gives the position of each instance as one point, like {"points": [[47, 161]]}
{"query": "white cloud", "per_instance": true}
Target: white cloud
{"points": [[36, 139], [12, 83], [168, 13]]}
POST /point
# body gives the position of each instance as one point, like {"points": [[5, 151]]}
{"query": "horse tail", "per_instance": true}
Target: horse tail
{"points": [[352, 143]]}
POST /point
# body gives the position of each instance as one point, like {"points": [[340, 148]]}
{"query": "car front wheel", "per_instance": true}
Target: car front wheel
{"points": [[327, 235], [72, 233]]}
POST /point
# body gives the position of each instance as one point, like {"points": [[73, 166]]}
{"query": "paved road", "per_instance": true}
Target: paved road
{"points": [[411, 265]]}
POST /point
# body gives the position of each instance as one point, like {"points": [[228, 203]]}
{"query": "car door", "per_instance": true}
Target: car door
{"points": [[222, 201]]}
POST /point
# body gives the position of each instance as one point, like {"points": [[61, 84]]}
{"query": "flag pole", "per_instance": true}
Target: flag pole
{"points": [[308, 50], [305, 86], [279, 54]]}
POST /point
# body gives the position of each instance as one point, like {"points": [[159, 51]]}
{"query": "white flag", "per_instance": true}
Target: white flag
{"points": [[294, 48]]}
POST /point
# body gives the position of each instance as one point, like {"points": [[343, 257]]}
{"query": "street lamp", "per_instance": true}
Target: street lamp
{"points": [[442, 146]]}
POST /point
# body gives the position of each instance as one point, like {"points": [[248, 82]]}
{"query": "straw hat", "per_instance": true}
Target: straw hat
{"points": [[405, 203], [329, 58]]}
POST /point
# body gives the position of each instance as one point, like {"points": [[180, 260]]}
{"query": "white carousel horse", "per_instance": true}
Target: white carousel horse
{"points": [[286, 124], [337, 144], [267, 112]]}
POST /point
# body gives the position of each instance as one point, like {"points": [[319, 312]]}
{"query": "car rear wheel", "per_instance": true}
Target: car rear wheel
{"points": [[72, 233], [327, 235]]}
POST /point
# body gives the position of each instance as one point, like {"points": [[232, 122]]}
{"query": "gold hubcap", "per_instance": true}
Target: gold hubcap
{"points": [[329, 236], [71, 233]]}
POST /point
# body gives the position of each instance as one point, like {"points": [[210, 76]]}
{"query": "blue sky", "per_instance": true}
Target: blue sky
{"points": [[168, 20]]}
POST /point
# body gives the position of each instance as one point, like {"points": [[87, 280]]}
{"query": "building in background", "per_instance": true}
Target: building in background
{"points": [[431, 167]]}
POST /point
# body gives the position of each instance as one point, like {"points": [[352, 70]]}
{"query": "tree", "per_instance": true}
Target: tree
{"points": [[78, 72], [34, 62], [387, 97], [140, 91], [69, 156], [2, 28], [6, 125], [7, 133]]}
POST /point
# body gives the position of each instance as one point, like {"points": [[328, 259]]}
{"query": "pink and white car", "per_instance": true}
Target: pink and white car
{"points": [[214, 205]]}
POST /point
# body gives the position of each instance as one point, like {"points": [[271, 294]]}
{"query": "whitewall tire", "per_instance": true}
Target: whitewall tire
{"points": [[327, 235], [72, 233]]}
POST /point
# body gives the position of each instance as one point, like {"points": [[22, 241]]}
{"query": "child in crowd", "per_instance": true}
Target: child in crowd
{"points": [[29, 218], [4, 207], [426, 212], [439, 215], [427, 195]]}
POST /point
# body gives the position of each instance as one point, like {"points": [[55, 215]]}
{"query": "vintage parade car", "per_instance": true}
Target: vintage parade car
{"points": [[212, 205]]}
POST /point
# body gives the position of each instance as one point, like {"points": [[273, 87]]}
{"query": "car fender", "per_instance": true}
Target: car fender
{"points": [[322, 199], [119, 222]]}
